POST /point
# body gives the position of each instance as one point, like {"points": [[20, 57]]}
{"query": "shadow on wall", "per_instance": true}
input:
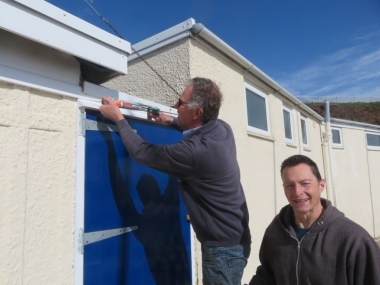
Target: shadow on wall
{"points": [[159, 228]]}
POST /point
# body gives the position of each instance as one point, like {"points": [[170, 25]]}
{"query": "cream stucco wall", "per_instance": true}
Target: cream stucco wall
{"points": [[374, 170], [353, 195], [172, 62], [37, 142]]}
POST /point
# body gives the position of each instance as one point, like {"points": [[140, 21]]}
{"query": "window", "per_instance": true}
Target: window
{"points": [[373, 141], [304, 130], [288, 124], [257, 111], [337, 140]]}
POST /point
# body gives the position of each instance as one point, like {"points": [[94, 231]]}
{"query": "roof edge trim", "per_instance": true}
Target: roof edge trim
{"points": [[199, 30]]}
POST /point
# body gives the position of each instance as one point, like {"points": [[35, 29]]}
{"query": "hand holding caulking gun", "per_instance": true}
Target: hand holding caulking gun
{"points": [[135, 106], [111, 110]]}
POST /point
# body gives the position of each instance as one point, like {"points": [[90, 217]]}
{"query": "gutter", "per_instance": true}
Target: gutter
{"points": [[199, 30], [356, 124]]}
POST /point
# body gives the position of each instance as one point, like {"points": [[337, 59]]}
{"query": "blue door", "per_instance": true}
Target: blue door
{"points": [[135, 224]]}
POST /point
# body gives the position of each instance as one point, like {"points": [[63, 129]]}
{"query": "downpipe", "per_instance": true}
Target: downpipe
{"points": [[326, 145]]}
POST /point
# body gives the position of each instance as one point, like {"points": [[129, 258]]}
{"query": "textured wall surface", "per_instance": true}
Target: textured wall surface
{"points": [[171, 62], [353, 195], [37, 142]]}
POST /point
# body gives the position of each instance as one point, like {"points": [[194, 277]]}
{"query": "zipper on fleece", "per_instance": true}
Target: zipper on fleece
{"points": [[298, 254]]}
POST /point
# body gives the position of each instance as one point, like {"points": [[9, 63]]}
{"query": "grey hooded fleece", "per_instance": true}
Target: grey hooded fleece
{"points": [[335, 251], [205, 164]]}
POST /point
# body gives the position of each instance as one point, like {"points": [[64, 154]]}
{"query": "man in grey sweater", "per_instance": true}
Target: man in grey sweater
{"points": [[206, 166], [310, 241]]}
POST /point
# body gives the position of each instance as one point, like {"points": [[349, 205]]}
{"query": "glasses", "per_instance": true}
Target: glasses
{"points": [[180, 103]]}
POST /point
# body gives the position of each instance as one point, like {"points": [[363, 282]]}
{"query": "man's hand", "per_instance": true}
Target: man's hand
{"points": [[110, 110], [161, 118]]}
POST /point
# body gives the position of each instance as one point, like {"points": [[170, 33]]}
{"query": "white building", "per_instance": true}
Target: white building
{"points": [[51, 68], [269, 124]]}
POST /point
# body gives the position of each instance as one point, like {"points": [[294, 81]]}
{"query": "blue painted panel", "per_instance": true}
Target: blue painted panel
{"points": [[121, 193]]}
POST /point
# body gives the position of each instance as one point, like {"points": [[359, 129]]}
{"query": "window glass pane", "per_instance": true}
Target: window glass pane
{"points": [[287, 125], [373, 140], [304, 133], [336, 136], [256, 109]]}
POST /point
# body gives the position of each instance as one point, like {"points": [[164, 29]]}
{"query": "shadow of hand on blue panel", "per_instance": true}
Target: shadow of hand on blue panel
{"points": [[159, 227]]}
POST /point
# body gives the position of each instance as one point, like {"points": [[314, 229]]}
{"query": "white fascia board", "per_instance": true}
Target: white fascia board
{"points": [[166, 37], [44, 23], [184, 29], [23, 78], [100, 91], [354, 125]]}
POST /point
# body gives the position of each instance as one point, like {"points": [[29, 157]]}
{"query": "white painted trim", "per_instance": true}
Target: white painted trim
{"points": [[354, 125], [289, 141], [100, 91], [166, 37], [169, 36], [35, 81], [256, 91], [89, 98], [193, 256], [307, 145], [337, 145], [159, 45], [46, 24], [370, 147], [76, 23]]}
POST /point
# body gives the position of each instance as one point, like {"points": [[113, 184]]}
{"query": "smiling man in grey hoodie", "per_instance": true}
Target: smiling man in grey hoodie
{"points": [[310, 241]]}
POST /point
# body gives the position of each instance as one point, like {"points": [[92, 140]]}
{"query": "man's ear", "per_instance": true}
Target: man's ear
{"points": [[322, 185], [198, 113]]}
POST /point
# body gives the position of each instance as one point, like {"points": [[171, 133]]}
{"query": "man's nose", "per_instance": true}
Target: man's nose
{"points": [[298, 190]]}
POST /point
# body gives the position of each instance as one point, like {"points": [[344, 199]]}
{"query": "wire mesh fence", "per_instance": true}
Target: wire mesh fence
{"points": [[338, 99]]}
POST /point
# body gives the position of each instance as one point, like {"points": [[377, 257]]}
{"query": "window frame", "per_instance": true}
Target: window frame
{"points": [[286, 109], [371, 147], [307, 145], [337, 145], [261, 94]]}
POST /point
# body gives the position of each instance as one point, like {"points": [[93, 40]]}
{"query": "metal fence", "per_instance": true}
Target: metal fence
{"points": [[338, 99]]}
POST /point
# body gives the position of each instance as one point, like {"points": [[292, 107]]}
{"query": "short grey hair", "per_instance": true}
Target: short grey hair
{"points": [[207, 96]]}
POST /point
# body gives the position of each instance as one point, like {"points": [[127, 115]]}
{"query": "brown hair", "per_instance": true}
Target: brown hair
{"points": [[299, 159]]}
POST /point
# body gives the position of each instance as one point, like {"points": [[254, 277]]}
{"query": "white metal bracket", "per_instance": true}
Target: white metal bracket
{"points": [[82, 124], [88, 238]]}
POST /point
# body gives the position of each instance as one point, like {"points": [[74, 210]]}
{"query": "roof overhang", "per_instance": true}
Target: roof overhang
{"points": [[190, 28], [102, 56]]}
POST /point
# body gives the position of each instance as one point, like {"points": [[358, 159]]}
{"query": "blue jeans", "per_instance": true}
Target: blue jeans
{"points": [[224, 265]]}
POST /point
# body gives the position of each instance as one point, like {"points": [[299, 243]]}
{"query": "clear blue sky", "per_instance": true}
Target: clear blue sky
{"points": [[310, 47]]}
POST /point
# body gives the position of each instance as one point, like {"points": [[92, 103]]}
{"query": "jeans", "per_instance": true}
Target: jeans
{"points": [[224, 265]]}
